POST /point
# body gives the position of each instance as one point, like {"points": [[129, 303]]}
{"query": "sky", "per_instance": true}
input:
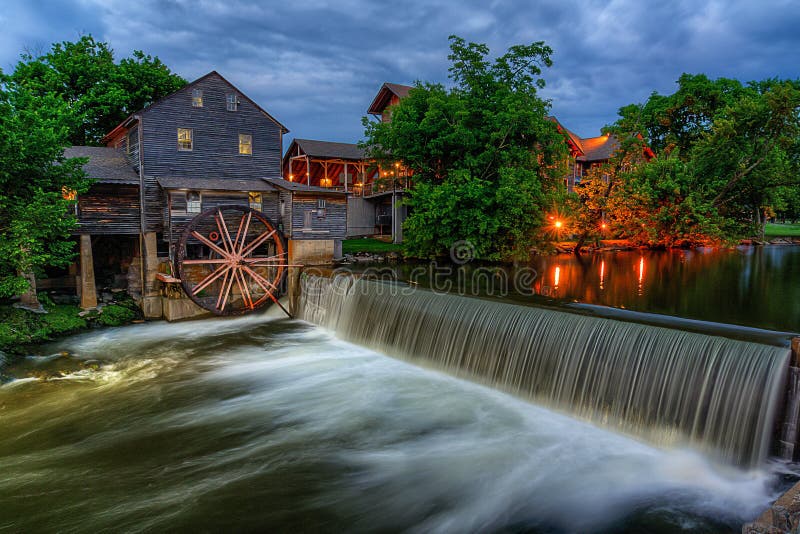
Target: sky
{"points": [[316, 65]]}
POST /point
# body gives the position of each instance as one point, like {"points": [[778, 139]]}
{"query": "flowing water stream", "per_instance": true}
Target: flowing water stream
{"points": [[270, 424]]}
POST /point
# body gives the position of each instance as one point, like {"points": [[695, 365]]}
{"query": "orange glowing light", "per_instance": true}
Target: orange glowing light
{"points": [[603, 226], [558, 224], [68, 194], [641, 269], [291, 177], [556, 277], [602, 273]]}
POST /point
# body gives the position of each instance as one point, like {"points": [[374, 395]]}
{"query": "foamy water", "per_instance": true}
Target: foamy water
{"points": [[268, 424]]}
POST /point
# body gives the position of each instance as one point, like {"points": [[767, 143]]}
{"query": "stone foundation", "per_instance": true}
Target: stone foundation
{"points": [[311, 251]]}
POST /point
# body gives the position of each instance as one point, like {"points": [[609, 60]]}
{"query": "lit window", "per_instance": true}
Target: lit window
{"points": [[255, 201], [197, 98], [232, 102], [246, 144], [193, 202], [185, 139]]}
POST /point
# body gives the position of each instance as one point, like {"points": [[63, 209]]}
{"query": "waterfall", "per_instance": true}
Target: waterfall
{"points": [[670, 387]]}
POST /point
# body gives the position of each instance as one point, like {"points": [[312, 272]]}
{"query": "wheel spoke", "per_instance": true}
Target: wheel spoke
{"points": [[248, 300], [227, 291], [223, 231], [256, 243], [203, 262], [244, 233], [210, 244], [219, 271]]}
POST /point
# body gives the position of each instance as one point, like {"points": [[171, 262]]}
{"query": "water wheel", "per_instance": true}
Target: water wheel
{"points": [[232, 260]]}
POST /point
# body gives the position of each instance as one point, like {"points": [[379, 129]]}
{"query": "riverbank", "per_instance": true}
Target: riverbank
{"points": [[21, 328]]}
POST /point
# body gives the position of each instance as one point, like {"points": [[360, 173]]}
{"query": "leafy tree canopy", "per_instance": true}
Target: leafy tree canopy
{"points": [[35, 217], [485, 158], [728, 156], [98, 92]]}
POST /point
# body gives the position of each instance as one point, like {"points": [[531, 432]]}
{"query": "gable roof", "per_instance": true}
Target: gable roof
{"points": [[189, 85], [384, 96], [106, 165], [327, 149], [598, 148]]}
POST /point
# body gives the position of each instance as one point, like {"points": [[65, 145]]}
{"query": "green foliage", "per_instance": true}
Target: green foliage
{"points": [[35, 218], [97, 92], [484, 156], [728, 158], [116, 315], [19, 328]]}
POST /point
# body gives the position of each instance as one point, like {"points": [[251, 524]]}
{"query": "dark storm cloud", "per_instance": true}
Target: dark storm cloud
{"points": [[316, 65]]}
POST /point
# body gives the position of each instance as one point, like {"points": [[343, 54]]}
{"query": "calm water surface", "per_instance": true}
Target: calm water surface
{"points": [[268, 424], [750, 286]]}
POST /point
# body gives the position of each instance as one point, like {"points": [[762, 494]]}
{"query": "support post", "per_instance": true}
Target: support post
{"points": [[345, 177], [151, 298], [88, 290]]}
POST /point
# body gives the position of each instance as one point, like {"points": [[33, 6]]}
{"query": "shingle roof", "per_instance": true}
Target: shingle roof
{"points": [[598, 148], [327, 149], [382, 99], [214, 184], [106, 165], [302, 188], [399, 89]]}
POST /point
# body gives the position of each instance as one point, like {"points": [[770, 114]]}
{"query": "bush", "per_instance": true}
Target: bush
{"points": [[116, 315]]}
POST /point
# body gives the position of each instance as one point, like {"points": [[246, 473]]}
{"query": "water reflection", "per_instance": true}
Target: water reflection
{"points": [[751, 286]]}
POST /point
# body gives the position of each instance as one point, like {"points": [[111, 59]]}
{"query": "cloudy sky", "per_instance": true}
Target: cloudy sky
{"points": [[316, 65]]}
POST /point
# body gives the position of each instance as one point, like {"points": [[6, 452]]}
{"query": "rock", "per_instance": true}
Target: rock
{"points": [[94, 365], [45, 374]]}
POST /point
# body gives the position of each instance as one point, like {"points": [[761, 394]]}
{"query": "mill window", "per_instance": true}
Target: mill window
{"points": [[197, 98], [246, 144], [185, 136], [255, 201], [193, 202], [231, 102]]}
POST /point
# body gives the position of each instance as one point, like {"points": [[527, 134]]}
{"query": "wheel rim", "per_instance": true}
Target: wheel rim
{"points": [[232, 260]]}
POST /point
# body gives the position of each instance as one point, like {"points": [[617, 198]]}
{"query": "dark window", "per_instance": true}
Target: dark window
{"points": [[231, 102], [194, 203], [197, 98]]}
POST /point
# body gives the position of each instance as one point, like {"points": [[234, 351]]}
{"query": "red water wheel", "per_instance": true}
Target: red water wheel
{"points": [[232, 260]]}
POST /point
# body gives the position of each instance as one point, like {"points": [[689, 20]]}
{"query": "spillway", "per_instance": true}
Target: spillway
{"points": [[670, 387]]}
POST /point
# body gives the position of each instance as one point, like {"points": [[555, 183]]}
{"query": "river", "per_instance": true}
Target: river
{"points": [[270, 424]]}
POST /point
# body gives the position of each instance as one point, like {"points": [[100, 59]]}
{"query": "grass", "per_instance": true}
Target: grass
{"points": [[782, 230], [369, 245]]}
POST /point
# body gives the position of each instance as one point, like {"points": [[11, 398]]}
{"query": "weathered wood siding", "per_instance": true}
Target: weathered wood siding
{"points": [[215, 151], [109, 209], [331, 225], [216, 130], [178, 217]]}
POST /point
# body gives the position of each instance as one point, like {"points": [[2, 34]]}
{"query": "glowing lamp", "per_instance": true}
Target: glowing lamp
{"points": [[603, 226], [291, 177], [558, 224]]}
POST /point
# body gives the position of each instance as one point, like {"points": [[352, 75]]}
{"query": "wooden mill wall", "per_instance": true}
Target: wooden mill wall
{"points": [[109, 209]]}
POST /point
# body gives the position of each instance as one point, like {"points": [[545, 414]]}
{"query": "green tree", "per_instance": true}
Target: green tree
{"points": [[35, 216], [98, 92], [486, 160], [728, 158]]}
